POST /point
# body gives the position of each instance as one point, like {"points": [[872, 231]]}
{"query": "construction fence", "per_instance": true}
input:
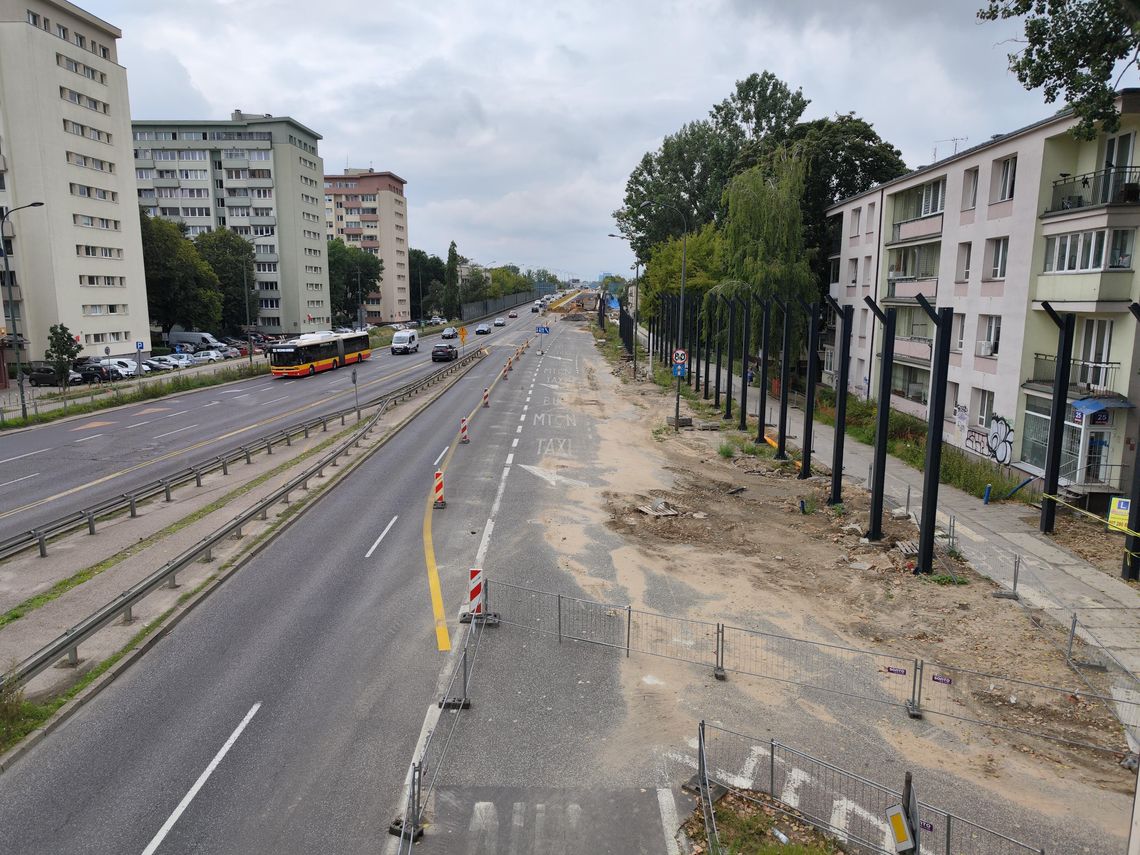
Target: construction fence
{"points": [[1073, 715], [848, 806]]}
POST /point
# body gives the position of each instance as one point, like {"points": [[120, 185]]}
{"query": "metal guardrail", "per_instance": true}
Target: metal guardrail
{"points": [[834, 800], [87, 517], [68, 643], [1073, 716]]}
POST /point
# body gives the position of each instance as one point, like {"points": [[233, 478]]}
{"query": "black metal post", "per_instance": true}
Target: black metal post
{"points": [[1130, 568], [761, 416], [716, 380], [785, 378], [812, 310], [943, 320], [1067, 325], [883, 413], [708, 349], [846, 320], [747, 304], [691, 329], [695, 356], [731, 352]]}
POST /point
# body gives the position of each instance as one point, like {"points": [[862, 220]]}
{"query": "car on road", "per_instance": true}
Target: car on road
{"points": [[500, 322], [405, 341], [444, 353], [512, 314], [449, 332], [206, 356], [534, 309], [45, 374], [482, 329]]}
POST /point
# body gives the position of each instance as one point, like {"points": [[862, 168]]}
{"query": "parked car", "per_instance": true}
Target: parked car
{"points": [[93, 372], [437, 320], [180, 360], [512, 314], [229, 352], [45, 374], [154, 365], [500, 322], [449, 332], [444, 353], [171, 362], [206, 356], [125, 367], [482, 329]]}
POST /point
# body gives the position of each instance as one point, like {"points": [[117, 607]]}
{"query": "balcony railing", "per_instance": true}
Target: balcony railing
{"points": [[1104, 187], [1095, 477], [1084, 376]]}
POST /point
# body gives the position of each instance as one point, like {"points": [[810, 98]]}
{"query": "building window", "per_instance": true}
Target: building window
{"points": [[999, 250], [855, 221], [870, 218], [1120, 249], [1074, 251], [984, 406], [970, 189], [965, 250], [1008, 178], [989, 335], [933, 197]]}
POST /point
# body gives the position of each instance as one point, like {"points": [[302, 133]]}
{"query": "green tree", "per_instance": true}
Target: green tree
{"points": [[450, 297], [181, 288], [230, 256], [763, 107], [62, 351], [476, 286], [353, 273], [704, 267], [424, 270], [1071, 50]]}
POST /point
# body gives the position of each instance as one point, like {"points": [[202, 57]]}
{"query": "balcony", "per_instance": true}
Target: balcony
{"points": [[905, 289], [1104, 187], [913, 229], [263, 221], [1112, 285], [1085, 377], [237, 198], [1095, 477], [916, 348]]}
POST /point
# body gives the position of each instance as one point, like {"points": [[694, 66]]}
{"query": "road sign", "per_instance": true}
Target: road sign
{"points": [[139, 345], [542, 330], [680, 371], [353, 376], [1118, 513], [463, 334], [680, 357]]}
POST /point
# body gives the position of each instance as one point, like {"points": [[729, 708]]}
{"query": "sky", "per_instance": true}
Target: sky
{"points": [[517, 124]]}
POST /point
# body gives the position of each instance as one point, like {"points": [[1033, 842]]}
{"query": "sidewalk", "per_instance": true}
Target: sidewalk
{"points": [[1051, 577]]}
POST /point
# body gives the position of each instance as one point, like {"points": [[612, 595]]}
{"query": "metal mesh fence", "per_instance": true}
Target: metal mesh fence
{"points": [[839, 802]]}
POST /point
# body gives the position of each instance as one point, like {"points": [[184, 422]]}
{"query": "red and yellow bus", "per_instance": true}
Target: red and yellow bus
{"points": [[313, 352]]}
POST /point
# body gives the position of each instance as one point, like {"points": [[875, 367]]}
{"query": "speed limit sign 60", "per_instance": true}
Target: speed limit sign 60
{"points": [[680, 357]]}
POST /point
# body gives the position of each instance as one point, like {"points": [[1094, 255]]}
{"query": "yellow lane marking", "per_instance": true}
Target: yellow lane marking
{"points": [[91, 425], [189, 448]]}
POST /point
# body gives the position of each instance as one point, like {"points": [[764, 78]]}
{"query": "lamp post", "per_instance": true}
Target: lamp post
{"points": [[4, 215], [681, 301], [245, 294]]}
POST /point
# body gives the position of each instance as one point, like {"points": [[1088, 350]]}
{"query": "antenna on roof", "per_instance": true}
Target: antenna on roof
{"points": [[955, 140]]}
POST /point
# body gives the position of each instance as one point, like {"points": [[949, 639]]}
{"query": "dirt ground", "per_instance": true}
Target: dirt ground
{"points": [[755, 552], [1092, 541]]}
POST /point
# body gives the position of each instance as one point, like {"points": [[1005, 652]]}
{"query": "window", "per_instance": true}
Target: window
{"points": [[1075, 251], [866, 267], [1008, 177], [855, 221], [870, 217], [989, 335], [958, 337], [1120, 251], [999, 250], [965, 250], [970, 189], [852, 271], [61, 31], [87, 192], [984, 406], [933, 197]]}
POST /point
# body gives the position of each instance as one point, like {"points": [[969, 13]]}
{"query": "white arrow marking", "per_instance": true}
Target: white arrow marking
{"points": [[553, 478]]}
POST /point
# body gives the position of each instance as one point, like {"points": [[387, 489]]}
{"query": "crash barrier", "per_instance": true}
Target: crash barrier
{"points": [[483, 308], [1069, 715], [121, 607], [88, 517], [423, 772], [841, 803]]}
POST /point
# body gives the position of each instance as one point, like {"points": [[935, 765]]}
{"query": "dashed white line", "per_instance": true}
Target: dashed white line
{"points": [[275, 400], [436, 463], [387, 528], [172, 432], [525, 408], [515, 442], [138, 424], [209, 770], [242, 395], [18, 480], [522, 418], [211, 404], [93, 436], [21, 456], [510, 459], [518, 429]]}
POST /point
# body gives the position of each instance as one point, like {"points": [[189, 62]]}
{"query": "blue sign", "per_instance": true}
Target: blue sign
{"points": [[139, 345], [680, 370], [542, 330]]}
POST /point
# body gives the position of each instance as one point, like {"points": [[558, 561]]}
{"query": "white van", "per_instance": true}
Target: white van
{"points": [[195, 339], [405, 341]]}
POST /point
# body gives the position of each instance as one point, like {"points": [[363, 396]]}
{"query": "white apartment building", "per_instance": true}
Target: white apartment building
{"points": [[65, 134], [259, 176], [995, 232], [368, 210]]}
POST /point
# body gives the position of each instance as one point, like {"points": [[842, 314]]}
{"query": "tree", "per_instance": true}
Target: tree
{"points": [[230, 256], [762, 107], [62, 350], [704, 267], [476, 286], [424, 270], [450, 297], [180, 287], [353, 273], [1071, 49]]}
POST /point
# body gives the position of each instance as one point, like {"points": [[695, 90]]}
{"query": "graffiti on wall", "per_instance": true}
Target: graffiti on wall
{"points": [[1000, 440]]}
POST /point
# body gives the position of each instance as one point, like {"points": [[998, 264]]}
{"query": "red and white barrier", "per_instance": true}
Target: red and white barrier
{"points": [[475, 592], [439, 502], [463, 437], [486, 397]]}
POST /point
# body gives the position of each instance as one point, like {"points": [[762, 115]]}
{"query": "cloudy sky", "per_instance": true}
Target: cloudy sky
{"points": [[516, 124]]}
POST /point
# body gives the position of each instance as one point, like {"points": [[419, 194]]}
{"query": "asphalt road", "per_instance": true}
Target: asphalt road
{"points": [[314, 664], [62, 467]]}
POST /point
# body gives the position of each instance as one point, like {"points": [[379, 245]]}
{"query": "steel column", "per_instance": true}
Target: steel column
{"points": [[731, 348], [747, 304], [785, 378], [1067, 327], [761, 415], [846, 320], [936, 413], [812, 310], [883, 415]]}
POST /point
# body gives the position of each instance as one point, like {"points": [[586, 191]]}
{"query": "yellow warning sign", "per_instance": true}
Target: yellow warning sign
{"points": [[463, 334], [1118, 514]]}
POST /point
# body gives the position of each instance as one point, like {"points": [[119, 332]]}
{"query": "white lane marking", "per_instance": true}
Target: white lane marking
{"points": [[522, 418], [515, 442], [525, 408], [669, 820], [93, 436], [553, 478], [172, 432], [139, 424], [368, 554], [510, 459], [209, 770], [275, 400], [242, 395], [21, 456], [441, 455], [211, 404], [518, 429], [171, 415], [18, 480]]}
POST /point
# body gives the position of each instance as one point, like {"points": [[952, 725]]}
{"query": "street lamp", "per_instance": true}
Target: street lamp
{"points": [[636, 301], [681, 302], [4, 215], [245, 294]]}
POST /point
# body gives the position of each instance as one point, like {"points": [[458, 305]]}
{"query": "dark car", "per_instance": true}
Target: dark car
{"points": [[93, 372], [444, 353], [45, 374], [483, 329], [449, 332], [534, 309]]}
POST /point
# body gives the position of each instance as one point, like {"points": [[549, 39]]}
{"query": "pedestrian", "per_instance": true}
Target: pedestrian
{"points": [[751, 374]]}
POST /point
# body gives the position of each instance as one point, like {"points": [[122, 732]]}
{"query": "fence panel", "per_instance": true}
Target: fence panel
{"points": [[673, 638], [536, 610], [597, 623], [832, 668]]}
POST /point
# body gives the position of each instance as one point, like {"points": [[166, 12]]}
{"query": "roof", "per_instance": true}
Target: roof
{"points": [[227, 123]]}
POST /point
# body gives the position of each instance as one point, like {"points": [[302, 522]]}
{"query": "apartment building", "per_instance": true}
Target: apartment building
{"points": [[65, 142], [368, 210], [996, 232], [256, 175]]}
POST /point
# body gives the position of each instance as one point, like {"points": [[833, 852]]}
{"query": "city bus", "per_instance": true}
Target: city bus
{"points": [[313, 352]]}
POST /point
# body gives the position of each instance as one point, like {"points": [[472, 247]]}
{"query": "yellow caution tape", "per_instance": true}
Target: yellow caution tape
{"points": [[1099, 519]]}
